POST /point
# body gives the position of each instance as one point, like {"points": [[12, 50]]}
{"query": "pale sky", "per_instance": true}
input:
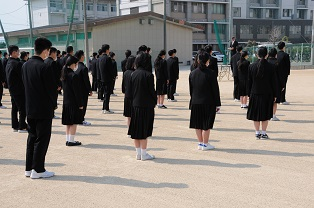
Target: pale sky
{"points": [[14, 15]]}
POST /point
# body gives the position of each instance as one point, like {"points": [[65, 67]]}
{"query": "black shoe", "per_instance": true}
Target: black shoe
{"points": [[163, 107], [75, 143], [264, 136], [257, 136]]}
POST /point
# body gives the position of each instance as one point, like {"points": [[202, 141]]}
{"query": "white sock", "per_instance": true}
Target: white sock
{"points": [[143, 151], [67, 137], [138, 151], [263, 132], [257, 132], [205, 145], [200, 143], [274, 115], [242, 105], [71, 138]]}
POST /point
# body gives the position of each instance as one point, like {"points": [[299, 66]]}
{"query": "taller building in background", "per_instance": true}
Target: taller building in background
{"points": [[52, 12], [200, 13], [259, 19]]}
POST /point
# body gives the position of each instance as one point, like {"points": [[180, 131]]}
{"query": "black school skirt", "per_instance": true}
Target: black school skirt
{"points": [[127, 111], [142, 123], [260, 107], [243, 88], [161, 87], [202, 116], [71, 115]]}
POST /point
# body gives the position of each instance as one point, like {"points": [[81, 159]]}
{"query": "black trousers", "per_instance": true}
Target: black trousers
{"points": [[236, 94], [113, 84], [1, 92], [283, 93], [85, 101], [18, 107], [100, 90], [39, 133], [107, 92], [94, 83], [171, 87]]}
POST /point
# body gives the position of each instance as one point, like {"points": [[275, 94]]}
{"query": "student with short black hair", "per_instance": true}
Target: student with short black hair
{"points": [[243, 70], [234, 68], [172, 68], [40, 93], [94, 71], [284, 66], [213, 61], [69, 52], [23, 57], [161, 74], [114, 71], [127, 54], [2, 81], [4, 64]]}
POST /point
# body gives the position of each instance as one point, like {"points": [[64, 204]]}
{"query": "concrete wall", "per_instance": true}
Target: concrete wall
{"points": [[130, 35], [40, 12]]}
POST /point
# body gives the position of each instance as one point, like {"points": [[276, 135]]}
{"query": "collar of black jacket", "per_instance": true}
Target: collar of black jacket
{"points": [[37, 57]]}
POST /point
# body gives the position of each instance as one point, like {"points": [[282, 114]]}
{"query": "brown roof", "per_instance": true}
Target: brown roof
{"points": [[98, 22]]}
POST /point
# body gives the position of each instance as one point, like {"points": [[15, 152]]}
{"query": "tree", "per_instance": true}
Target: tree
{"points": [[275, 35], [285, 38]]}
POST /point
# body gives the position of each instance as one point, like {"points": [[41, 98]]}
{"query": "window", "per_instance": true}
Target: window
{"points": [[221, 29], [287, 13], [237, 11], [89, 6], [69, 4], [246, 29], [113, 8], [56, 4], [63, 37], [255, 1], [219, 9], [308, 30], [255, 13], [311, 14], [293, 30], [271, 13], [134, 10], [51, 37], [102, 7], [271, 2], [198, 8], [178, 7], [23, 40], [300, 14], [264, 29], [81, 36], [301, 2]]}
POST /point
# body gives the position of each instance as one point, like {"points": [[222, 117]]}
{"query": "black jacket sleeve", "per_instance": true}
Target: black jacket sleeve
{"points": [[215, 87], [86, 79], [151, 87], [48, 80]]}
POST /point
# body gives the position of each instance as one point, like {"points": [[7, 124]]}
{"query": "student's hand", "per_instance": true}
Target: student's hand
{"points": [[116, 77], [217, 108], [90, 93], [275, 99], [81, 108], [59, 88], [167, 81], [282, 89]]}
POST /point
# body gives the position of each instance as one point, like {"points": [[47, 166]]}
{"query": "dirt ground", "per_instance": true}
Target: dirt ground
{"points": [[103, 172]]}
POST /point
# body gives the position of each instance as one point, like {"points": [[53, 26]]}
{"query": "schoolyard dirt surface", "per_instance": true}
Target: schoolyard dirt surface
{"points": [[103, 172]]}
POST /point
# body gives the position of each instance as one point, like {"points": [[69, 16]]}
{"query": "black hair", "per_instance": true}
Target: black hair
{"points": [[203, 57], [242, 59], [65, 70], [23, 54], [104, 48], [127, 53], [27, 52], [170, 52], [159, 59], [272, 53], [94, 54], [239, 48], [142, 60], [42, 44], [281, 45], [262, 53], [142, 48], [0, 52], [79, 54], [52, 50], [5, 53], [112, 54], [148, 49], [208, 49], [70, 49], [12, 48], [174, 50], [58, 53], [99, 51], [130, 63], [63, 53]]}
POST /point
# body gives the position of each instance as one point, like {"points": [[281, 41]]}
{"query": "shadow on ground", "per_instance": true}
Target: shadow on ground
{"points": [[265, 152], [117, 147], [167, 138], [22, 163]]}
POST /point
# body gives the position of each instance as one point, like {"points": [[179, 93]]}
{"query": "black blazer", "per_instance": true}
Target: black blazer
{"points": [[279, 77], [213, 65], [40, 89], [64, 59], [265, 85], [14, 76], [283, 63], [172, 68], [234, 46], [123, 65], [234, 64], [72, 95], [56, 70], [98, 69], [2, 79], [82, 72], [114, 68], [142, 89], [204, 87], [177, 67], [105, 68], [93, 68], [243, 70], [127, 76], [161, 72]]}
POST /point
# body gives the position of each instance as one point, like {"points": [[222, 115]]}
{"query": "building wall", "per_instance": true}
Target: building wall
{"points": [[40, 13]]}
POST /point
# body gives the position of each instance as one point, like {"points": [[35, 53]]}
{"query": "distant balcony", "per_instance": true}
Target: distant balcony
{"points": [[198, 17], [57, 10]]}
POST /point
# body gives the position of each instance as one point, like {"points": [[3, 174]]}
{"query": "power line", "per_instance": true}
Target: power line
{"points": [[14, 10]]}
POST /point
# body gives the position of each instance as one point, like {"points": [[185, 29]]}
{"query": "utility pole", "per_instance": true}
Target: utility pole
{"points": [[30, 25], [70, 25], [312, 42], [86, 35], [165, 25], [230, 23], [5, 36]]}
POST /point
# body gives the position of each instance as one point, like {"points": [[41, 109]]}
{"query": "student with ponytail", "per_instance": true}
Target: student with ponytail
{"points": [[243, 68], [161, 74], [72, 111], [262, 91], [205, 100]]}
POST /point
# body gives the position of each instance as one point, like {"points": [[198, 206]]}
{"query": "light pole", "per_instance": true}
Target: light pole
{"points": [[86, 35], [165, 26], [312, 42]]}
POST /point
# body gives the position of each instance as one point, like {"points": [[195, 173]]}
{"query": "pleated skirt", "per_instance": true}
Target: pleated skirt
{"points": [[243, 88], [260, 107], [142, 123], [71, 115], [161, 87], [202, 116], [127, 111]]}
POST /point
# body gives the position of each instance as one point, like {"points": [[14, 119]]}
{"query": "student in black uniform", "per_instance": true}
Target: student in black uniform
{"points": [[177, 71], [40, 93], [172, 68], [59, 65], [99, 83], [195, 63], [234, 67], [161, 74], [212, 61], [233, 46], [127, 112], [2, 82], [52, 63], [114, 71], [17, 91], [279, 78], [147, 50], [85, 86], [4, 64], [72, 110], [105, 67], [262, 91], [123, 64], [243, 70], [94, 72], [144, 99], [70, 52], [205, 100], [23, 57], [284, 68]]}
